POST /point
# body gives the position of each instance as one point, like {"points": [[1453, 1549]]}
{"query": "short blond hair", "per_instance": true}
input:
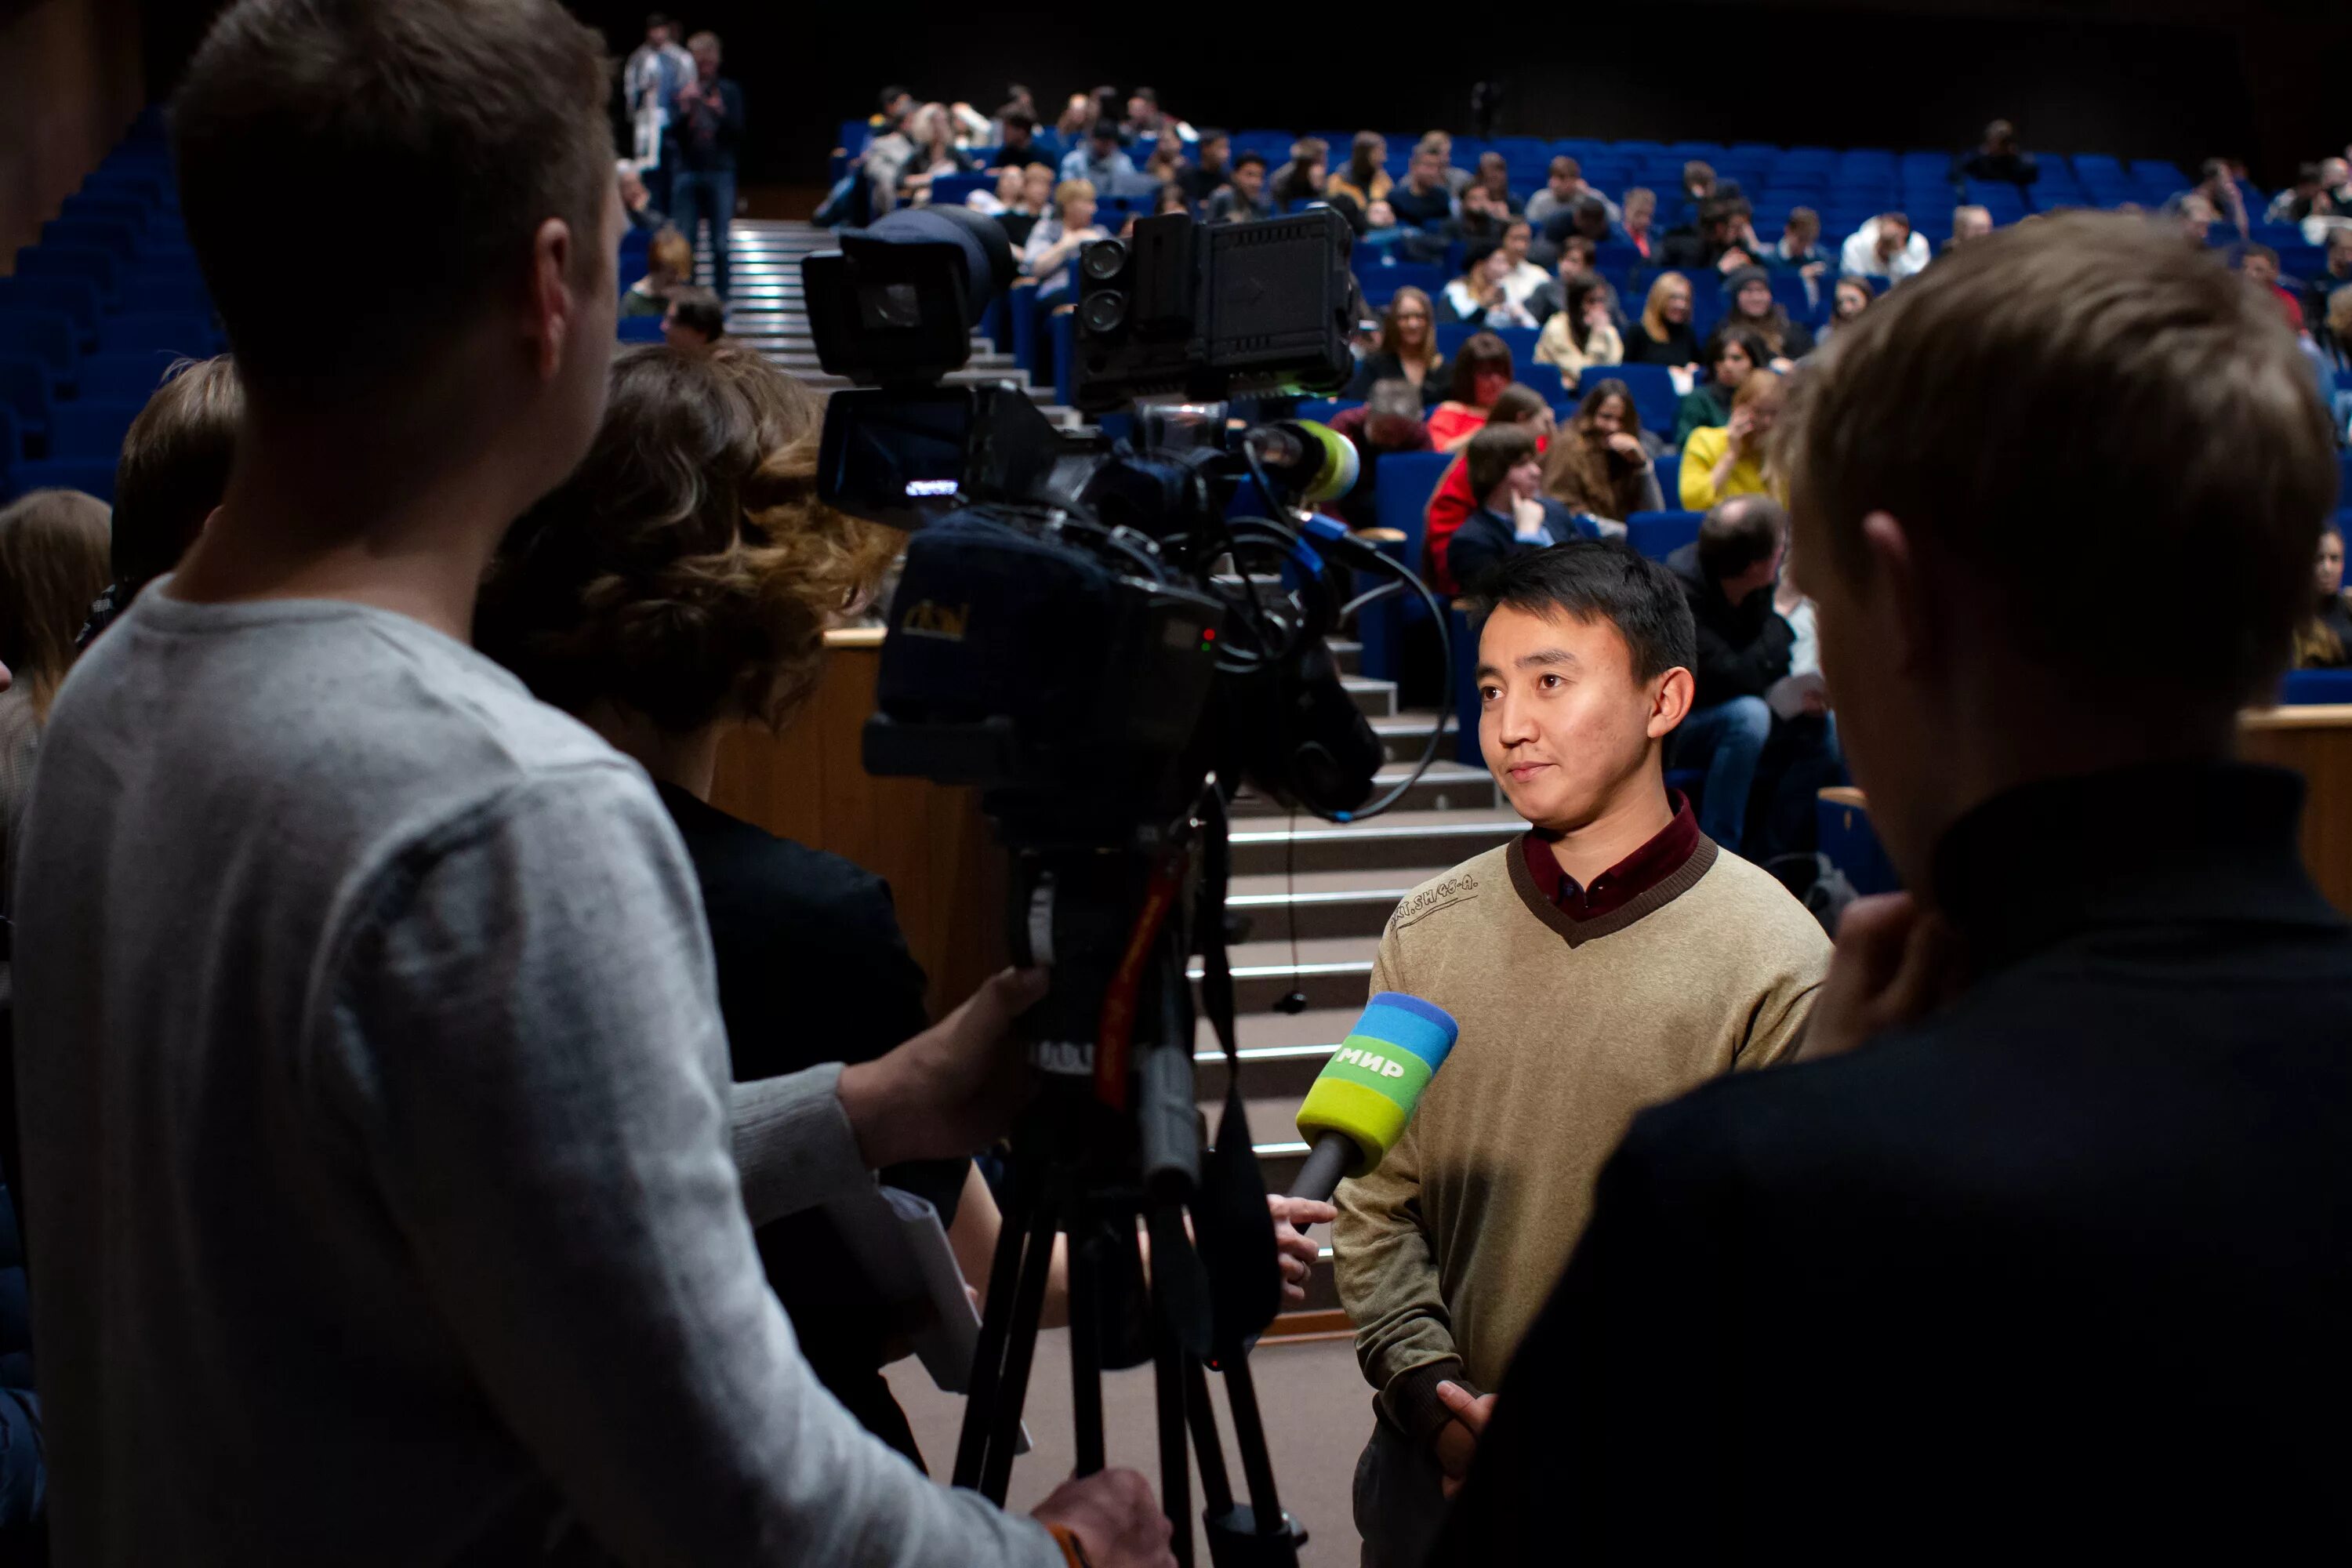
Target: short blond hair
{"points": [[1070, 191]]}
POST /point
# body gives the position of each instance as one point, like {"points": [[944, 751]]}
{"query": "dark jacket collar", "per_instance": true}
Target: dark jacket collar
{"points": [[2152, 844]]}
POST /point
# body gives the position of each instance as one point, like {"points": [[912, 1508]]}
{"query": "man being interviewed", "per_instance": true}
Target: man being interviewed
{"points": [[1609, 958]]}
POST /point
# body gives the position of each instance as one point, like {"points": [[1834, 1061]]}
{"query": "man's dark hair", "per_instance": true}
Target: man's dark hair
{"points": [[657, 19], [488, 114], [1739, 533], [2086, 382], [2265, 251], [700, 310], [1212, 133], [1245, 160], [1024, 123], [1760, 354], [1602, 580], [1147, 95], [2307, 173], [890, 95]]}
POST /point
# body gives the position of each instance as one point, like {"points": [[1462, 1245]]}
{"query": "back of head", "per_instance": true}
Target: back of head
{"points": [[2088, 430], [700, 310], [686, 569], [52, 564], [1516, 405], [175, 468], [1602, 580], [1480, 352], [1393, 397], [1738, 535], [427, 139]]}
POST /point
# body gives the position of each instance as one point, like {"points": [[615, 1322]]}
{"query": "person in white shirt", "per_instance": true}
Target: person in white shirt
{"points": [[1524, 277], [649, 82], [1886, 246], [1478, 296]]}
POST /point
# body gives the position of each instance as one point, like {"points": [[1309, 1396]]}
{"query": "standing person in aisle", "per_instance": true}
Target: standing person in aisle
{"points": [[705, 136]]}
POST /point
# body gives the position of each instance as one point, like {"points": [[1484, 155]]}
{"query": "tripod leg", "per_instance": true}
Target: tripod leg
{"points": [[1168, 1364], [1086, 1347], [988, 1359], [1028, 1302], [1249, 1436], [1216, 1489]]}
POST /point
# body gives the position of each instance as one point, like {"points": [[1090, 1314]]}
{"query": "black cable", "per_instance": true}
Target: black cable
{"points": [[1444, 696]]}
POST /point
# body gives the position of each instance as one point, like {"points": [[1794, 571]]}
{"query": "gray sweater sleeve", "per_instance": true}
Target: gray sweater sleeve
{"points": [[525, 1036], [792, 1144]]}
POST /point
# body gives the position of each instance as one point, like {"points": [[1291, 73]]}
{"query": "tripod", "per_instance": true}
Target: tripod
{"points": [[1093, 1170]]}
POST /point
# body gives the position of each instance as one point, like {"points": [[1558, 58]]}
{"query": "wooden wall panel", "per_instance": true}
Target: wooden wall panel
{"points": [[71, 81], [2316, 743], [928, 841]]}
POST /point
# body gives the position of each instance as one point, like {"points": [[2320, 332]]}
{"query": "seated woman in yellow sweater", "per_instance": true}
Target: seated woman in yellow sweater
{"points": [[1720, 461]]}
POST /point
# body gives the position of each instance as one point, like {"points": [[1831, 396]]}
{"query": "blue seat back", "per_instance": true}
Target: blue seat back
{"points": [[79, 261], [76, 299], [2305, 688], [1403, 484], [44, 335], [25, 390], [1655, 398], [115, 237], [641, 329], [85, 429], [1658, 534], [184, 334], [91, 476], [1669, 468], [129, 377]]}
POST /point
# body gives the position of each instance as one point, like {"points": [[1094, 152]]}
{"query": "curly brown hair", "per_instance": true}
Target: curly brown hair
{"points": [[686, 569]]}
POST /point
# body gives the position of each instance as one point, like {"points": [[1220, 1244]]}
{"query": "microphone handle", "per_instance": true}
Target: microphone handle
{"points": [[1320, 1177]]}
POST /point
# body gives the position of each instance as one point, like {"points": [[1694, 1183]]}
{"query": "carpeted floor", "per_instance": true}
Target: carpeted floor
{"points": [[1317, 1412]]}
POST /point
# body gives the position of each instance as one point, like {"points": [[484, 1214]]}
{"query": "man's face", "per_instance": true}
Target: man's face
{"points": [[1250, 179], [2260, 271], [2328, 578], [1894, 233], [633, 190], [1971, 223], [1426, 171], [2332, 172], [1638, 212], [1213, 151], [1563, 186], [1562, 723], [1104, 143], [657, 38], [1137, 111], [1016, 138], [1037, 185], [2339, 252], [1516, 241], [1759, 578], [1474, 201], [706, 60]]}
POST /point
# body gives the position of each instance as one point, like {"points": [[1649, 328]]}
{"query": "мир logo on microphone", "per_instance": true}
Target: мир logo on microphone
{"points": [[1371, 1061]]}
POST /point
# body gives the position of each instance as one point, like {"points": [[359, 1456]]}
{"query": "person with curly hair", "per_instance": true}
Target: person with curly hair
{"points": [[678, 586]]}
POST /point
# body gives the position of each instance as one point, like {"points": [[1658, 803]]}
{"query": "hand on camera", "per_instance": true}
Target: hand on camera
{"points": [[952, 1088], [1117, 1519], [1298, 1252], [1457, 1440]]}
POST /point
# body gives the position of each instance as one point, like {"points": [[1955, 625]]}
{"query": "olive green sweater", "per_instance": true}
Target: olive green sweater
{"points": [[1448, 1250]]}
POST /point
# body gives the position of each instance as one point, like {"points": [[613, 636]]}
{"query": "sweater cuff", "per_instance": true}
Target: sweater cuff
{"points": [[795, 1148], [1410, 1401]]}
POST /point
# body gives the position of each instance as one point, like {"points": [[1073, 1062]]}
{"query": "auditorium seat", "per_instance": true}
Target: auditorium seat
{"points": [[77, 261], [123, 377], [90, 476], [133, 330], [86, 428], [1658, 534], [2308, 688], [76, 299], [1669, 468], [1653, 386], [26, 391], [45, 336], [641, 329]]}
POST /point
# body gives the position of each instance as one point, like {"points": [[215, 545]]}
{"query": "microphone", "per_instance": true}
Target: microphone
{"points": [[1313, 459], [1359, 1105]]}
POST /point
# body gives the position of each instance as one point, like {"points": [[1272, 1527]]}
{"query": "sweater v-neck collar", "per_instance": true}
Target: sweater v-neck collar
{"points": [[1656, 896]]}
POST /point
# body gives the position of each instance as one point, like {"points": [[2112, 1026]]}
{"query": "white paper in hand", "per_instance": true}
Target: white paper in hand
{"points": [[1788, 695], [903, 1251]]}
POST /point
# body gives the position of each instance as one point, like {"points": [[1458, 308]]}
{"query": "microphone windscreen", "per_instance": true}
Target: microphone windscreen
{"points": [[1336, 475], [1366, 1092]]}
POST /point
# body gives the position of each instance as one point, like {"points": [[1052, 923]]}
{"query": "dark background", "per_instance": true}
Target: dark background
{"points": [[2154, 78]]}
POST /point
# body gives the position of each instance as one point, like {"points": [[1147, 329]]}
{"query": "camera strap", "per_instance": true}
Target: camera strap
{"points": [[1237, 1239]]}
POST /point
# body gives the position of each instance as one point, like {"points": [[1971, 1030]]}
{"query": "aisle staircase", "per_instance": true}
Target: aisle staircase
{"points": [[1315, 894]]}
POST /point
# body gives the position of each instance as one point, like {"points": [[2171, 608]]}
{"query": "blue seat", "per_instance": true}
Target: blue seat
{"points": [[104, 207], [129, 377], [167, 290], [118, 240], [1404, 483], [1062, 325], [2306, 687], [85, 429], [1669, 468], [98, 266], [183, 334], [12, 444], [43, 335], [1462, 640], [641, 329], [1654, 397], [76, 299], [1847, 837], [90, 476], [951, 190], [1658, 534], [28, 390]]}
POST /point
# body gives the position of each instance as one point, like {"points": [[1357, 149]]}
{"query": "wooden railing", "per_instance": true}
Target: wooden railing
{"points": [[927, 840], [2316, 742]]}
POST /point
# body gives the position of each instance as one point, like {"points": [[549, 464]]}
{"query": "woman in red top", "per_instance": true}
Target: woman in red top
{"points": [[1451, 504], [1482, 368]]}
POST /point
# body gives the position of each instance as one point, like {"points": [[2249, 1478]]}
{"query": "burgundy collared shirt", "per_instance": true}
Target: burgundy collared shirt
{"points": [[1627, 879]]}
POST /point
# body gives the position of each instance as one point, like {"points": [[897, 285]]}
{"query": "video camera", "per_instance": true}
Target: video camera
{"points": [[1109, 637]]}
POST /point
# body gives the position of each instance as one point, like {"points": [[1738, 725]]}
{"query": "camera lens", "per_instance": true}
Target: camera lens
{"points": [[1103, 259], [1105, 312]]}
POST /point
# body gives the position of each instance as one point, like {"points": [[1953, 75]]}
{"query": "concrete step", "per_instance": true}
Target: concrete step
{"points": [[1376, 698], [1403, 737], [1429, 841], [1333, 971], [1447, 785], [1350, 655]]}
